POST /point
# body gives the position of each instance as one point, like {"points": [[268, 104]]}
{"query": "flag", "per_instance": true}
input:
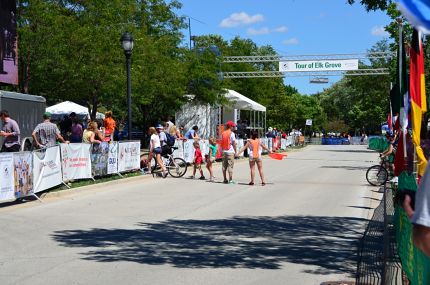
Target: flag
{"points": [[402, 100], [417, 12], [418, 96]]}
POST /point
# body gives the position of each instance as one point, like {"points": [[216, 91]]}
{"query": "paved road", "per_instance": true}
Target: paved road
{"points": [[301, 228]]}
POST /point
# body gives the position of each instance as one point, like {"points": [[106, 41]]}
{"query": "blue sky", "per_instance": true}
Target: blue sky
{"points": [[292, 27]]}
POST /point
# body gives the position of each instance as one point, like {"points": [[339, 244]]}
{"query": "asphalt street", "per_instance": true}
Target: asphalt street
{"points": [[303, 227]]}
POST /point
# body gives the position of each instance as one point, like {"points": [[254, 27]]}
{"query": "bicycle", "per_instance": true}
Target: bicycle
{"points": [[176, 166], [377, 175]]}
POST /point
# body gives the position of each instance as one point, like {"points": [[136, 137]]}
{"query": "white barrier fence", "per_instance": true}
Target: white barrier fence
{"points": [[26, 173]]}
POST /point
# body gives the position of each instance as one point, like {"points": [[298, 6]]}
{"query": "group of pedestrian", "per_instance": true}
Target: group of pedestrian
{"points": [[47, 133]]}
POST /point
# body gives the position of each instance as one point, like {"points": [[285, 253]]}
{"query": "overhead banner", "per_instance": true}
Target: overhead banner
{"points": [[99, 159], [113, 158], [75, 161], [47, 169], [23, 170], [6, 177], [318, 65], [128, 156]]}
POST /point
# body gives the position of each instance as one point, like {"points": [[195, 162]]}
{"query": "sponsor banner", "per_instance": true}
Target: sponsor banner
{"points": [[289, 141], [318, 65], [6, 176], [75, 161], [180, 151], [23, 166], [99, 159], [112, 166], [47, 169], [283, 144], [128, 156], [189, 151], [266, 143]]}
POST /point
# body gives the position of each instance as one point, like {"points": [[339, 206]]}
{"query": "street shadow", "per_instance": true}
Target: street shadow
{"points": [[352, 150], [360, 207], [345, 167], [329, 243]]}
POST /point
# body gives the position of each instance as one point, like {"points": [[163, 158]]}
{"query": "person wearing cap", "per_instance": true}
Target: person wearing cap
{"points": [[228, 148], [165, 149], [10, 132], [46, 133]]}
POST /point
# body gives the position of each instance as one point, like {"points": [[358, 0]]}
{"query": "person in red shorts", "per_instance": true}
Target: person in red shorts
{"points": [[198, 160]]}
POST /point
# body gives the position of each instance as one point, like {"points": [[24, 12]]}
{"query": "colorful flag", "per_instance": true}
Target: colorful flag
{"points": [[418, 96], [417, 12], [402, 100]]}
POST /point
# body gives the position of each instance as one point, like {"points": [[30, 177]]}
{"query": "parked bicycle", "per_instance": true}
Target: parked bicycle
{"points": [[176, 166], [377, 175]]}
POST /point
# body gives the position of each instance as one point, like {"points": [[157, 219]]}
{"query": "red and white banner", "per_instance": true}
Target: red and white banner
{"points": [[75, 161], [7, 191], [47, 169]]}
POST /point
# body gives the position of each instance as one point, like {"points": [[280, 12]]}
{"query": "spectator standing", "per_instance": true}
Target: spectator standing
{"points": [[89, 135], [197, 162], [420, 215], [255, 147], [180, 133], [210, 158], [228, 148], [47, 133], [110, 125], [192, 134], [155, 150], [10, 132], [77, 131]]}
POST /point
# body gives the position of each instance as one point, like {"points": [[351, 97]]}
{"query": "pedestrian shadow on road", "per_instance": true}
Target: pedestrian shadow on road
{"points": [[329, 243]]}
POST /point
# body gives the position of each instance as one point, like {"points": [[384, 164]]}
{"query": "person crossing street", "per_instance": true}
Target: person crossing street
{"points": [[228, 148]]}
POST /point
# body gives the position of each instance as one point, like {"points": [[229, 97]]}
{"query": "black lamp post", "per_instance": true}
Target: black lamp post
{"points": [[127, 45]]}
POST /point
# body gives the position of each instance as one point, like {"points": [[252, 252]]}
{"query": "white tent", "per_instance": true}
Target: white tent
{"points": [[238, 101], [65, 108]]}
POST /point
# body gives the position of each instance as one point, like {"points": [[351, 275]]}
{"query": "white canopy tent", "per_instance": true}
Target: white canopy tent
{"points": [[257, 111], [59, 110], [238, 101]]}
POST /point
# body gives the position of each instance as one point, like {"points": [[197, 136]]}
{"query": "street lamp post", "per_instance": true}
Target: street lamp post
{"points": [[127, 45]]}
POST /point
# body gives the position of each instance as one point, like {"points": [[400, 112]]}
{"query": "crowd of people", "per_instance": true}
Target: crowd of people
{"points": [[47, 133], [159, 147]]}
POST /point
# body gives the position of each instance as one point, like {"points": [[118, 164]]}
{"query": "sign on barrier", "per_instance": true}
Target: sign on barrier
{"points": [[128, 156], [75, 161], [283, 144], [23, 166], [6, 176], [112, 166], [99, 159], [180, 151], [189, 151], [47, 169]]}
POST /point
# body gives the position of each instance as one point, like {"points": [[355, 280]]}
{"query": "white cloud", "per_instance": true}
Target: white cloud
{"points": [[292, 41], [241, 19], [281, 29], [379, 31], [262, 31]]}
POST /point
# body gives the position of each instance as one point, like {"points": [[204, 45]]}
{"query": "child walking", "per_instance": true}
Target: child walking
{"points": [[210, 158], [197, 162]]}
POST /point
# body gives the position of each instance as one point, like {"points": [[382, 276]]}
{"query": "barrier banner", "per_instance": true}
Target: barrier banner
{"points": [[75, 161], [180, 151], [204, 147], [6, 177], [23, 165], [266, 143], [128, 156], [283, 144], [47, 169], [99, 159], [289, 141], [189, 151], [112, 166], [239, 144]]}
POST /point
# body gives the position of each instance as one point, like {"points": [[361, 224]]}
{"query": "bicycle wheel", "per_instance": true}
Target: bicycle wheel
{"points": [[177, 167], [376, 175]]}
